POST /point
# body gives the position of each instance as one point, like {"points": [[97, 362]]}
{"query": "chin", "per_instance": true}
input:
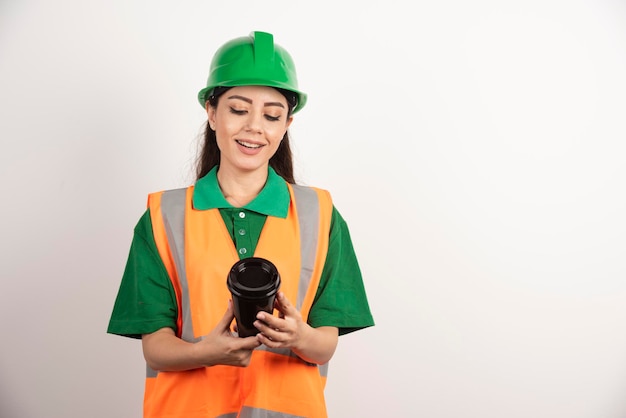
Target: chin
{"points": [[249, 168]]}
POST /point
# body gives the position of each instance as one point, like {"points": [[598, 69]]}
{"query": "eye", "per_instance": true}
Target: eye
{"points": [[237, 111], [272, 118]]}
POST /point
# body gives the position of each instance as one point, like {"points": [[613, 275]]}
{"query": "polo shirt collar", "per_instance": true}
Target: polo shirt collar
{"points": [[273, 200]]}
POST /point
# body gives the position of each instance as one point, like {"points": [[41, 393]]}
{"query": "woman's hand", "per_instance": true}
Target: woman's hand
{"points": [[288, 330], [164, 351]]}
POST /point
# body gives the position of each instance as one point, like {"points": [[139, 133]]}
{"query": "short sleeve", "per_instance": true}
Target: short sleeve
{"points": [[146, 301], [341, 300]]}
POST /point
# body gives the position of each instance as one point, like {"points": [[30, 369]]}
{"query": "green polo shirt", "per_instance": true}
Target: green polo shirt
{"points": [[146, 300]]}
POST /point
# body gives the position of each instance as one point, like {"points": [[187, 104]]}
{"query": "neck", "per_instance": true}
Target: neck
{"points": [[238, 188]]}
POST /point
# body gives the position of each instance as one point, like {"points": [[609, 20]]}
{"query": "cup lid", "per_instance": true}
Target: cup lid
{"points": [[253, 277]]}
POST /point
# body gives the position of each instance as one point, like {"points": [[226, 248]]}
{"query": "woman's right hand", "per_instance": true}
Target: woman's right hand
{"points": [[220, 346], [164, 351]]}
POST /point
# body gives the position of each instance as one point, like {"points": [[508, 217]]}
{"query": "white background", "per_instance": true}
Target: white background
{"points": [[476, 150]]}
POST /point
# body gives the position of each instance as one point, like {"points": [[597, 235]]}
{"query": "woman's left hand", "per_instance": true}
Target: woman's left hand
{"points": [[288, 330], [282, 331]]}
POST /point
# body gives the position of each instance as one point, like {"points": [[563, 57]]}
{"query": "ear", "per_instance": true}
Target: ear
{"points": [[288, 123], [210, 110]]}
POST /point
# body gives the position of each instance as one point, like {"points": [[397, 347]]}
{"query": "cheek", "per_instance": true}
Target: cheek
{"points": [[277, 134], [277, 140], [219, 144], [225, 129], [222, 136]]}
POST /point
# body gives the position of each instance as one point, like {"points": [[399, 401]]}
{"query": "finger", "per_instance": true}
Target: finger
{"points": [[267, 341], [284, 304], [270, 336], [249, 343], [267, 320], [272, 332]]}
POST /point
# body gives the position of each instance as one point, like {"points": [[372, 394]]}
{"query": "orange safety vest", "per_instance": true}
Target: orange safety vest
{"points": [[198, 253]]}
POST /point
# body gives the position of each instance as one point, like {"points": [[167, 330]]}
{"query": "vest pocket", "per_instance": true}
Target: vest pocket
{"points": [[192, 393]]}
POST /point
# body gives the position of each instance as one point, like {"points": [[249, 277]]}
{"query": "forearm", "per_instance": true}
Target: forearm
{"points": [[164, 351], [317, 345]]}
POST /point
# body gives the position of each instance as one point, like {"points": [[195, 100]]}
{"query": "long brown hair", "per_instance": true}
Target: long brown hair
{"points": [[209, 156]]}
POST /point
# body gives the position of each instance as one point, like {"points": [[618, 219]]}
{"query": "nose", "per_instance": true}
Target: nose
{"points": [[255, 121]]}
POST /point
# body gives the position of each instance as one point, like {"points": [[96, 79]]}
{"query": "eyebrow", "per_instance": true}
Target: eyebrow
{"points": [[247, 100]]}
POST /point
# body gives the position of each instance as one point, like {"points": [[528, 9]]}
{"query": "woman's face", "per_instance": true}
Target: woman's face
{"points": [[249, 123]]}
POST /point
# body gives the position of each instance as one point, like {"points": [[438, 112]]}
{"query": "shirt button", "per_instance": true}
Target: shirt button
{"points": [[242, 215], [242, 251], [242, 232]]}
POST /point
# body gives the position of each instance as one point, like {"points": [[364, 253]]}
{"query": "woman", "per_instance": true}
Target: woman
{"points": [[245, 203]]}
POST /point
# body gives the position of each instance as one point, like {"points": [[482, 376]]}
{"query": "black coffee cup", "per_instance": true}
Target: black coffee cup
{"points": [[253, 283]]}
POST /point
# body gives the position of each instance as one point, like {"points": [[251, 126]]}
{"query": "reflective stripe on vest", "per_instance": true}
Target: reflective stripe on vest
{"points": [[247, 412], [173, 217]]}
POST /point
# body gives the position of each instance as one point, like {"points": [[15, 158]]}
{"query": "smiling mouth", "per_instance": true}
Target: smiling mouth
{"points": [[249, 144]]}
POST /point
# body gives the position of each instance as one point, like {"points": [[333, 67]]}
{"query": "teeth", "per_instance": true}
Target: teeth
{"points": [[249, 144]]}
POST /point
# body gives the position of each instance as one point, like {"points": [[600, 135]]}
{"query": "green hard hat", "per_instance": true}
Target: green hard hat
{"points": [[253, 60]]}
